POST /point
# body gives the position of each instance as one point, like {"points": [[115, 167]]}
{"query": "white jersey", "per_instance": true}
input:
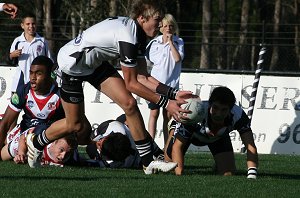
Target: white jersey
{"points": [[30, 50], [118, 37], [165, 69]]}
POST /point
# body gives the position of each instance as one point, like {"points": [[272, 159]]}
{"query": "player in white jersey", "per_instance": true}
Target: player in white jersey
{"points": [[222, 117], [166, 52], [9, 9], [86, 57], [113, 146], [25, 48], [39, 100]]}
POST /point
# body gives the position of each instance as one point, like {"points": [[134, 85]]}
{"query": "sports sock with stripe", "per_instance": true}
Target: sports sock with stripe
{"points": [[145, 149]]}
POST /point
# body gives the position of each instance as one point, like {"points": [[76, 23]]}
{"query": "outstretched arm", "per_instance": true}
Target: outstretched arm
{"points": [[20, 158], [9, 117], [252, 156]]}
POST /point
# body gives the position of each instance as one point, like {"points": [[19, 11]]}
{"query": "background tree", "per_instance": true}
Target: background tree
{"points": [[206, 23]]}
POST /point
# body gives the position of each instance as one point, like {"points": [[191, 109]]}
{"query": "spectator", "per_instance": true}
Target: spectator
{"points": [[166, 52], [25, 48]]}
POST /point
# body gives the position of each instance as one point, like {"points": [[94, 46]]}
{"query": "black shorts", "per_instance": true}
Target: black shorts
{"points": [[71, 90], [221, 150]]}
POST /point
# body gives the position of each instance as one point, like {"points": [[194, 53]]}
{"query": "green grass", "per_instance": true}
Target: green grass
{"points": [[279, 176]]}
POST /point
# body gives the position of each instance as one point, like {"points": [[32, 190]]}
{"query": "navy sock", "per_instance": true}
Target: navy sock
{"points": [[40, 140]]}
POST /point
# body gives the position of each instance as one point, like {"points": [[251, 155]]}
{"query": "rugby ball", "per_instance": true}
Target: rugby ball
{"points": [[198, 111]]}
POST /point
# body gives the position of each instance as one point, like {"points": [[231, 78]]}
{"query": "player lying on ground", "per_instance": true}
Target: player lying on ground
{"points": [[113, 146], [57, 153], [222, 116], [85, 58]]}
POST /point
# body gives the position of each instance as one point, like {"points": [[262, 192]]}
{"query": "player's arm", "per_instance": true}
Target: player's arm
{"points": [[178, 155], [20, 158], [143, 89], [9, 117], [252, 156]]}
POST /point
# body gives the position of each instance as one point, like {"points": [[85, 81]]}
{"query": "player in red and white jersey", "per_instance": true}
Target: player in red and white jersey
{"points": [[222, 117], [39, 100], [56, 153], [86, 57]]}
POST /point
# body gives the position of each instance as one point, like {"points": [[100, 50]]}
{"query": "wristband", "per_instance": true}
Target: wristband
{"points": [[166, 91], [163, 101], [252, 173]]}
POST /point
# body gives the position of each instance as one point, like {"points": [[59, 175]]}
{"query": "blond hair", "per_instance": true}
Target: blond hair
{"points": [[169, 19], [146, 8]]}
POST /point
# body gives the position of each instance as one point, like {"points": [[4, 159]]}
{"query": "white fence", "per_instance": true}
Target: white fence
{"points": [[275, 121]]}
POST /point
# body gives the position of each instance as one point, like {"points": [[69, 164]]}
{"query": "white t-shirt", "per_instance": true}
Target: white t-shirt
{"points": [[165, 69], [1, 6], [117, 37], [30, 50]]}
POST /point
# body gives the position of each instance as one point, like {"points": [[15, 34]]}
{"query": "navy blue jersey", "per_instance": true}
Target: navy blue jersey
{"points": [[37, 109]]}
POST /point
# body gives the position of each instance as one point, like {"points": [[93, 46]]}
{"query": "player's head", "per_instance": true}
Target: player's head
{"points": [[222, 95], [28, 23], [148, 13], [61, 149], [221, 102], [40, 73], [169, 25], [115, 146]]}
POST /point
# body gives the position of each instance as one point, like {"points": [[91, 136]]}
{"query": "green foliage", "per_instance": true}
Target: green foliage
{"points": [[278, 177]]}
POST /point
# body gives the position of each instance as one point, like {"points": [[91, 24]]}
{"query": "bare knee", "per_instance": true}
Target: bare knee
{"points": [[74, 127], [129, 106]]}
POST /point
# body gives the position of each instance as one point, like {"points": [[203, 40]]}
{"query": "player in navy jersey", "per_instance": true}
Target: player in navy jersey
{"points": [[86, 57], [222, 117], [39, 99]]}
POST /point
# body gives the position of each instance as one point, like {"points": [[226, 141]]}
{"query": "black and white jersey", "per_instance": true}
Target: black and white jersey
{"points": [[117, 37], [238, 120]]}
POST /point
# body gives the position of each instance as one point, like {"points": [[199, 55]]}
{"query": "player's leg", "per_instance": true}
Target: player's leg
{"points": [[152, 123], [166, 118], [142, 139], [222, 152]]}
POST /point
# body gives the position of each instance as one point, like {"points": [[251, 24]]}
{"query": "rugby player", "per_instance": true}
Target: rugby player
{"points": [[85, 58], [222, 117]]}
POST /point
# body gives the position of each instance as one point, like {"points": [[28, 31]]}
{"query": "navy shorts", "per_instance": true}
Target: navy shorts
{"points": [[71, 90]]}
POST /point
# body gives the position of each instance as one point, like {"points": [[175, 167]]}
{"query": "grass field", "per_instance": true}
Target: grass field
{"points": [[279, 176]]}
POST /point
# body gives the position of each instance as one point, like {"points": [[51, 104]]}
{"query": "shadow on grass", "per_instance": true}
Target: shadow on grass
{"points": [[84, 178]]}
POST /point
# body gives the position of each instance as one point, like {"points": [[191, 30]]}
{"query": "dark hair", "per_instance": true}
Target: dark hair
{"points": [[116, 147], [71, 141], [27, 15], [222, 95], [43, 60]]}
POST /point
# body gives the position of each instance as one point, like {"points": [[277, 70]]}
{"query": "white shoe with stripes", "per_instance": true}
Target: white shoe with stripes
{"points": [[34, 155], [159, 166]]}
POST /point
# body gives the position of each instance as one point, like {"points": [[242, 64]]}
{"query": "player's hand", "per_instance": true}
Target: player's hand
{"points": [[176, 111], [252, 173], [182, 95], [20, 159], [10, 9]]}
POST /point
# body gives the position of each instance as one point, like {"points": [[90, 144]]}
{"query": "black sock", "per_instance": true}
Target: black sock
{"points": [[40, 140], [145, 149]]}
